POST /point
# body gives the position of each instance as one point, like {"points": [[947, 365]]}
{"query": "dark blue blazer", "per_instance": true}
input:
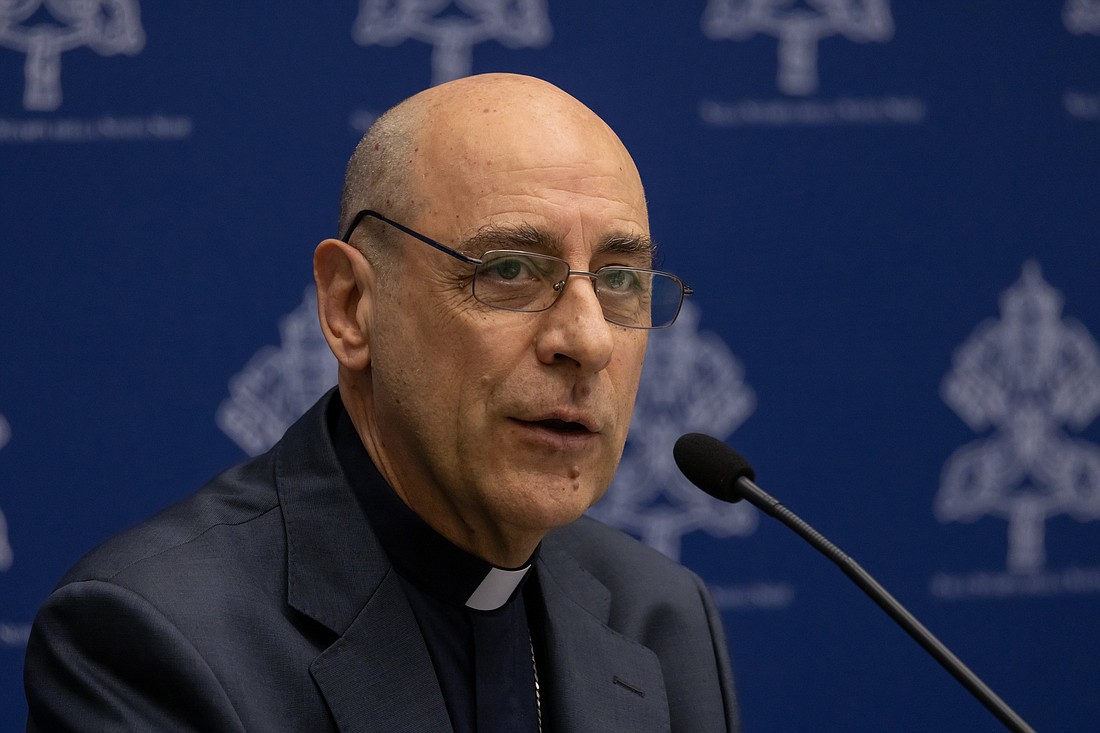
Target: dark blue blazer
{"points": [[265, 603]]}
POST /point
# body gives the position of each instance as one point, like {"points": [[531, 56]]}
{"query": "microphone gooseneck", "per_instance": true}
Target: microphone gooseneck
{"points": [[723, 473]]}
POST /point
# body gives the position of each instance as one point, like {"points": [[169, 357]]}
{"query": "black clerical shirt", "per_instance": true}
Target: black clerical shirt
{"points": [[474, 616]]}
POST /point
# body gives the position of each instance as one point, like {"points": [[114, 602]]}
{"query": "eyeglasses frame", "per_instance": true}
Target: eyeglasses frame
{"points": [[686, 291]]}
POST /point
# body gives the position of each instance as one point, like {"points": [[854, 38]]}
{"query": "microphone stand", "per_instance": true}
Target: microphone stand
{"points": [[769, 505]]}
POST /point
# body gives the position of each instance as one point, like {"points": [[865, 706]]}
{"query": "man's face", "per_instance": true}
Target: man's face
{"points": [[496, 421]]}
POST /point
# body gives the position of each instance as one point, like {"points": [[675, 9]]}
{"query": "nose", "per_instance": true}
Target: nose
{"points": [[574, 329]]}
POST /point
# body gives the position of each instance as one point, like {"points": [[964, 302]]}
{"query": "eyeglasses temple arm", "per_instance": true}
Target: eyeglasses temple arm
{"points": [[412, 233]]}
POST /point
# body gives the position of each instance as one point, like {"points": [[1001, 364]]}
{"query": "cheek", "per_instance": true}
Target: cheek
{"points": [[626, 372], [411, 362], [492, 371], [629, 360], [478, 361]]}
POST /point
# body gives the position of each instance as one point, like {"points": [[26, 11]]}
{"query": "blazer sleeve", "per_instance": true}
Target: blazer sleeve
{"points": [[101, 657]]}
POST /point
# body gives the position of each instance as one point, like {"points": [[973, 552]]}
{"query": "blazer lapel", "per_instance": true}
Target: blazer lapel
{"points": [[377, 676], [595, 679]]}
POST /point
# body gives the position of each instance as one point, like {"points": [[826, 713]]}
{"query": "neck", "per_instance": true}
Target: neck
{"points": [[498, 543], [503, 549]]}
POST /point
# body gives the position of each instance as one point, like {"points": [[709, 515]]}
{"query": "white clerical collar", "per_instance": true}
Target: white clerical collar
{"points": [[496, 589]]}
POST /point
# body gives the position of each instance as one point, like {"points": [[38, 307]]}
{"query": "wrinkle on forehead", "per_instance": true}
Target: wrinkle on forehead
{"points": [[478, 131], [529, 238]]}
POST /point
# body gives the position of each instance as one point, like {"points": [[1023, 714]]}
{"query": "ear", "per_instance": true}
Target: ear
{"points": [[345, 292]]}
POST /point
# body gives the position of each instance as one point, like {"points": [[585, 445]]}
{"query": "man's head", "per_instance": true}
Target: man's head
{"points": [[493, 425]]}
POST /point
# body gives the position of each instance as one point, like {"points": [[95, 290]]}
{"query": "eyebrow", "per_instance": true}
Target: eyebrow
{"points": [[515, 236], [629, 245], [530, 238]]}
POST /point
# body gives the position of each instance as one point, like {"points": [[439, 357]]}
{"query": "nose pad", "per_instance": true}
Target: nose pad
{"points": [[559, 287]]}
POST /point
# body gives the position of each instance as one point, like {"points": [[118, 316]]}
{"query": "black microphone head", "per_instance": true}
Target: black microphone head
{"points": [[711, 465]]}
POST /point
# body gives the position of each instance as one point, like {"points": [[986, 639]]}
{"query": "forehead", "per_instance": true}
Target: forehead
{"points": [[637, 249], [579, 215], [559, 171]]}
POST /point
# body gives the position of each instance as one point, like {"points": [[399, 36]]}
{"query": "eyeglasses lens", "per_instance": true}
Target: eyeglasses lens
{"points": [[520, 281]]}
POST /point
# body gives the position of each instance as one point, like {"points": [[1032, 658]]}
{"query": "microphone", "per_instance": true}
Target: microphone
{"points": [[721, 472]]}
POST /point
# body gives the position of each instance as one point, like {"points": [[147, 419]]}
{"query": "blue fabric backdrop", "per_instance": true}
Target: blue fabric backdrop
{"points": [[888, 210]]}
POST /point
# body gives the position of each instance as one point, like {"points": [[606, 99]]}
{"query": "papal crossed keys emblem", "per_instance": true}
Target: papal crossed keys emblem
{"points": [[279, 383], [452, 28], [1027, 375], [691, 382], [1082, 16], [108, 27], [5, 548], [799, 27]]}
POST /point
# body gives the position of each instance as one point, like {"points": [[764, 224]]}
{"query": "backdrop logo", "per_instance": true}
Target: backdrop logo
{"points": [[6, 556], [278, 384], [11, 634], [1028, 376], [690, 383], [452, 29], [108, 27], [46, 29], [798, 29], [1081, 17]]}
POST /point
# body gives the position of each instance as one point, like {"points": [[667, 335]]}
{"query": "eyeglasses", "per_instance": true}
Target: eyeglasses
{"points": [[527, 282]]}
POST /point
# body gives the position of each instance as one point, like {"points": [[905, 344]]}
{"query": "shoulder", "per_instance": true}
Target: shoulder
{"points": [[605, 549], [237, 504], [623, 564], [648, 598], [236, 511]]}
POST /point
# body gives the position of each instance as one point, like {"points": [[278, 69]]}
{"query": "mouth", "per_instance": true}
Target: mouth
{"points": [[560, 433], [566, 427]]}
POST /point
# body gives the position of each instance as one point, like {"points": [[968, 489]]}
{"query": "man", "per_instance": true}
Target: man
{"points": [[411, 556]]}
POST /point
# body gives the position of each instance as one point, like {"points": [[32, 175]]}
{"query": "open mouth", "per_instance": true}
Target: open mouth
{"points": [[560, 426], [559, 434]]}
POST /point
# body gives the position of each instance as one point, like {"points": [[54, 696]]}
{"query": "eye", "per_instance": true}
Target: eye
{"points": [[619, 281], [510, 268], [518, 281], [506, 269]]}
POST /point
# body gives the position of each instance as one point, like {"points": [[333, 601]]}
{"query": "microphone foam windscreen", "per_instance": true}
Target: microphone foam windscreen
{"points": [[711, 465]]}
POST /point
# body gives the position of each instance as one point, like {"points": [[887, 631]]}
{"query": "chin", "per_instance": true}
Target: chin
{"points": [[558, 503]]}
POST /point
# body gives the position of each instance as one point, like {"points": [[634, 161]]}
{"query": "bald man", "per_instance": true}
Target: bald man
{"points": [[412, 555]]}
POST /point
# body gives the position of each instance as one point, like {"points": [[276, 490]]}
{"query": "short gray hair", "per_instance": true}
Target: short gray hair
{"points": [[378, 177]]}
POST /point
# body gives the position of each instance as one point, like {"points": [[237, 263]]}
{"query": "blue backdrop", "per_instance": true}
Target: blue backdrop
{"points": [[888, 211]]}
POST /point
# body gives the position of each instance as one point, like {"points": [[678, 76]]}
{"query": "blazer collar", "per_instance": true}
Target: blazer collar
{"points": [[377, 676], [597, 678], [334, 562]]}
